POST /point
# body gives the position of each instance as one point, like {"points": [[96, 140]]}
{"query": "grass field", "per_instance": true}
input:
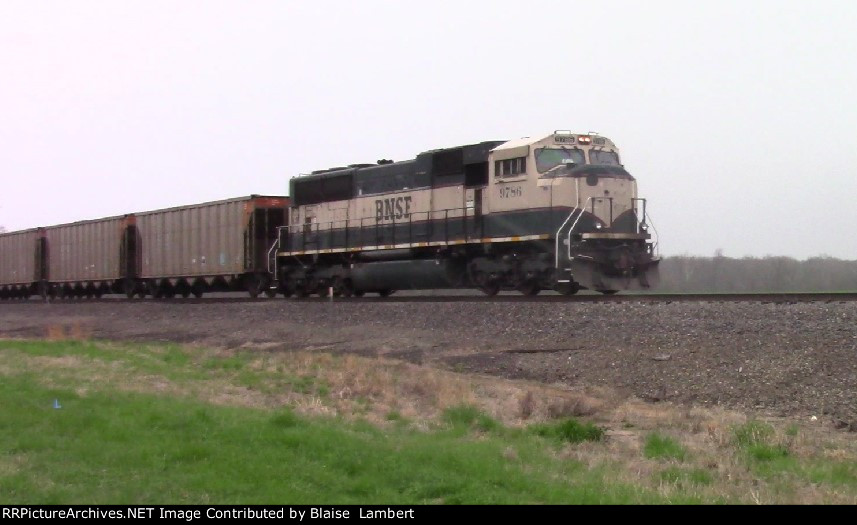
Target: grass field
{"points": [[85, 422]]}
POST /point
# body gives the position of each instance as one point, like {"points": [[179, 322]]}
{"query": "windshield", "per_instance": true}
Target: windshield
{"points": [[609, 158], [550, 158]]}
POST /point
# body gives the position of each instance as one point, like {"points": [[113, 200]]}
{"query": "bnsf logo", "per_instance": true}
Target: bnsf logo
{"points": [[395, 208]]}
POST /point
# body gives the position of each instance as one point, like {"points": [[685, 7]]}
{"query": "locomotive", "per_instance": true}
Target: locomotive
{"points": [[553, 212]]}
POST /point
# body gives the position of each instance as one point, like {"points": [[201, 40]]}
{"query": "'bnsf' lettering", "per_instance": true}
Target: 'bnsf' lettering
{"points": [[394, 208]]}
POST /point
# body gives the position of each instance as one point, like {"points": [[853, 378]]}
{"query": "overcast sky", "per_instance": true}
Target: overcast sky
{"points": [[739, 119]]}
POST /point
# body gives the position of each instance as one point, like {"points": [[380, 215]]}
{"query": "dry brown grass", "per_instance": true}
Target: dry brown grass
{"points": [[75, 331]]}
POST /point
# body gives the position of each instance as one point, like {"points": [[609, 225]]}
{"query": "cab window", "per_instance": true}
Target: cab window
{"points": [[548, 158], [510, 167], [609, 158]]}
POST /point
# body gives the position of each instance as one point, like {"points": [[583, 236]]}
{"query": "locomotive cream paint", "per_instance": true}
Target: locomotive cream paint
{"points": [[557, 211]]}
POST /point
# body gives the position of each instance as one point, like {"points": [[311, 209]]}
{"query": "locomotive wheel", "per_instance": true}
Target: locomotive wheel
{"points": [[271, 293], [359, 293], [301, 292], [342, 287], [529, 288], [568, 288], [490, 289]]}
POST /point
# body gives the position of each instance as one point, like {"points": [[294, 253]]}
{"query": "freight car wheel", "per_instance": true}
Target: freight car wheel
{"points": [[386, 293], [254, 286], [359, 293]]}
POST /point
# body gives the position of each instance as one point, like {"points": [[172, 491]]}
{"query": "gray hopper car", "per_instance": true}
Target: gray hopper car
{"points": [[213, 246]]}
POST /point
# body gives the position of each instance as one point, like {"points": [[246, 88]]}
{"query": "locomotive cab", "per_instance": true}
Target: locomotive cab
{"points": [[573, 188]]}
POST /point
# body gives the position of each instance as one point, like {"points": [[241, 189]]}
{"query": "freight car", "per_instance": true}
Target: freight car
{"points": [[214, 246], [22, 263], [557, 211]]}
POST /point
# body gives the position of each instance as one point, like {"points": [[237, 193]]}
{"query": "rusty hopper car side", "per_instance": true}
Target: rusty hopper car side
{"points": [[87, 258], [22, 264], [214, 246]]}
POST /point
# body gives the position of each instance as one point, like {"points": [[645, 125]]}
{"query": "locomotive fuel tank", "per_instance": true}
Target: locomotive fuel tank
{"points": [[421, 274]]}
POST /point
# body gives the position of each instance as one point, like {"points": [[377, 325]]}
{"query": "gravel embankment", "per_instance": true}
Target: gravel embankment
{"points": [[786, 359]]}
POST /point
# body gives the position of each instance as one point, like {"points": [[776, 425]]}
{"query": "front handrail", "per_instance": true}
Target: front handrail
{"points": [[579, 212], [646, 220]]}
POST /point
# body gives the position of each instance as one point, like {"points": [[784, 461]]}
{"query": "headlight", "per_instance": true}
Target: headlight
{"points": [[598, 225]]}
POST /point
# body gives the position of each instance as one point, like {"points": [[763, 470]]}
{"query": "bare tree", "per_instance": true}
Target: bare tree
{"points": [[2, 229]]}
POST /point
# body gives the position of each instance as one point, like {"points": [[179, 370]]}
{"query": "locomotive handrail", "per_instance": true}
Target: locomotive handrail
{"points": [[315, 229], [646, 220], [580, 215], [272, 251], [579, 212]]}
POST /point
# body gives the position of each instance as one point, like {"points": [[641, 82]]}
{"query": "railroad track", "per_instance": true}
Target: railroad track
{"points": [[779, 298]]}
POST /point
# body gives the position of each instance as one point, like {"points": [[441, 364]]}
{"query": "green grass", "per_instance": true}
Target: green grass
{"points": [[682, 477], [569, 431], [109, 446], [469, 417], [753, 433], [756, 439], [658, 446]]}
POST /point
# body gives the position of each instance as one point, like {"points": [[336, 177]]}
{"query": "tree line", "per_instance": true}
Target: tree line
{"points": [[685, 273]]}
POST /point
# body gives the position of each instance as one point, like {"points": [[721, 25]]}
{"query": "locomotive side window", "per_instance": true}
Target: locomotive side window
{"points": [[609, 158], [510, 167], [547, 158]]}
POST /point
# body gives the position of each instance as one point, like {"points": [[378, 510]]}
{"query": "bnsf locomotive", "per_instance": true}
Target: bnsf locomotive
{"points": [[559, 212], [555, 212]]}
